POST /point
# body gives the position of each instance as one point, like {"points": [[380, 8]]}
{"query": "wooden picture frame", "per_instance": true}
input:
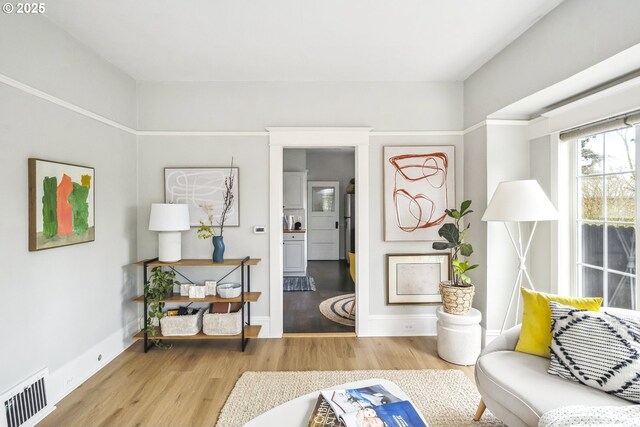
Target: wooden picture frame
{"points": [[61, 204], [415, 278], [419, 184], [199, 186]]}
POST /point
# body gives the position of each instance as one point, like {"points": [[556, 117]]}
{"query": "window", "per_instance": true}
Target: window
{"points": [[606, 217]]}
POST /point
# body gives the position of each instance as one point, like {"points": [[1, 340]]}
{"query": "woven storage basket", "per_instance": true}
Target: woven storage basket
{"points": [[174, 326], [222, 323]]}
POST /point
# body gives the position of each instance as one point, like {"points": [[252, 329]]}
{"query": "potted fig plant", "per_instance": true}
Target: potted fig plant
{"points": [[457, 294], [158, 287]]}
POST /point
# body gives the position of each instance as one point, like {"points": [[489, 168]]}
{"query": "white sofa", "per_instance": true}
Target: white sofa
{"points": [[517, 388]]}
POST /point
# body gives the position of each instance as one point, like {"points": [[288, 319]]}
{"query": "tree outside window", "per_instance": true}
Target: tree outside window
{"points": [[606, 189]]}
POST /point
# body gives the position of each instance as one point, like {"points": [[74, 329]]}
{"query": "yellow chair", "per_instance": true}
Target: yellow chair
{"points": [[352, 272]]}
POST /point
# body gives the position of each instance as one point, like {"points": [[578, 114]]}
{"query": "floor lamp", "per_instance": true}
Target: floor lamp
{"points": [[519, 201]]}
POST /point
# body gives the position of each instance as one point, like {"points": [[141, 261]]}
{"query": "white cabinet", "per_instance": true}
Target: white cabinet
{"points": [[295, 189], [295, 262]]}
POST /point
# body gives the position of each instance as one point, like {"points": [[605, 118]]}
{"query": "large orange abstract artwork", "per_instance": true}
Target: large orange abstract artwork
{"points": [[61, 204], [419, 184]]}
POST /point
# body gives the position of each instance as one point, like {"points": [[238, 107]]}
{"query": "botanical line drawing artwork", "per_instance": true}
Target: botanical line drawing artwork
{"points": [[419, 186]]}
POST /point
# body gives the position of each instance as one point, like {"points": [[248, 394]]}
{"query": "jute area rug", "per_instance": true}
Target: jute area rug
{"points": [[338, 309], [446, 398]]}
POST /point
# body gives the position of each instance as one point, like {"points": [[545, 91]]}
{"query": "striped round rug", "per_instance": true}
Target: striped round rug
{"points": [[337, 309]]}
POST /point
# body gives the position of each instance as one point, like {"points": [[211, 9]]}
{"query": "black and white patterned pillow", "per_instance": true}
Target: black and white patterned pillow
{"points": [[600, 350]]}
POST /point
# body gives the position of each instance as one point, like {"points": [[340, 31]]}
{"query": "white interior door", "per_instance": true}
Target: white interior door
{"points": [[323, 219]]}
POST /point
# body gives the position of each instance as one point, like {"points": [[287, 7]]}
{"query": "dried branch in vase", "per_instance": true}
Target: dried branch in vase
{"points": [[206, 230]]}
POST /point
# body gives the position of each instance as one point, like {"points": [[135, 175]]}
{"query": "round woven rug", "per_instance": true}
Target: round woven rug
{"points": [[337, 309], [446, 397]]}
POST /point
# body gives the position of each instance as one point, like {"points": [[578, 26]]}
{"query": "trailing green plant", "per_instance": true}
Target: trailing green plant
{"points": [[454, 233], [160, 284]]}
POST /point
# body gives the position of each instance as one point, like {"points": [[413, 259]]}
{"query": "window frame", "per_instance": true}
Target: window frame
{"points": [[575, 257]]}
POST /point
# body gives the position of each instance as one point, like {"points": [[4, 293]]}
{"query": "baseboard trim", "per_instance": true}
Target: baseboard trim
{"points": [[319, 335], [265, 322], [400, 325], [67, 378]]}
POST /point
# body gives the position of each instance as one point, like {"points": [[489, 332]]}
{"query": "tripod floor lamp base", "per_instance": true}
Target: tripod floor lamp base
{"points": [[519, 201]]}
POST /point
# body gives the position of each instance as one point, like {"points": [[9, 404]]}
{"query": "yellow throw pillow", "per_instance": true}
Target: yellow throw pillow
{"points": [[535, 336]]}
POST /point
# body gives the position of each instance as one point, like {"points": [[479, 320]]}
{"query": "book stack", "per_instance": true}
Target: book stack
{"points": [[371, 406]]}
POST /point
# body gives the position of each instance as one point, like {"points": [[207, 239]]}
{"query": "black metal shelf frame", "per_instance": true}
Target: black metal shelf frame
{"points": [[243, 263]]}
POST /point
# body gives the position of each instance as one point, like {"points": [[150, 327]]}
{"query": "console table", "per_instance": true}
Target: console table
{"points": [[245, 298]]}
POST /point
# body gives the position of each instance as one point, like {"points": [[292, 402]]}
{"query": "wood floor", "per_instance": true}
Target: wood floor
{"points": [[188, 384], [301, 312]]}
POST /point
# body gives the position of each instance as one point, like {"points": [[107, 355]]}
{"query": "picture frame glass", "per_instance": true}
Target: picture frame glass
{"points": [[61, 204], [415, 279], [419, 184], [203, 190]]}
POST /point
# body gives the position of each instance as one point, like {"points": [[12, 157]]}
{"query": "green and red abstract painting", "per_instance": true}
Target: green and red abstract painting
{"points": [[61, 204]]}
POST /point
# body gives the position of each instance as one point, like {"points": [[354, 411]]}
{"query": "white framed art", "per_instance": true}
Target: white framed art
{"points": [[419, 184], [415, 278], [203, 190]]}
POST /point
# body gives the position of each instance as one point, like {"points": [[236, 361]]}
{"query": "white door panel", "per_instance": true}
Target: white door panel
{"points": [[324, 223], [323, 216], [324, 236]]}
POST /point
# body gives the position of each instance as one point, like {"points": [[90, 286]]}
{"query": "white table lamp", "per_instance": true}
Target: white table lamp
{"points": [[519, 201], [170, 220]]}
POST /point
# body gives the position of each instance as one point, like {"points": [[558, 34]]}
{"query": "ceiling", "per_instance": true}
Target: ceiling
{"points": [[297, 40]]}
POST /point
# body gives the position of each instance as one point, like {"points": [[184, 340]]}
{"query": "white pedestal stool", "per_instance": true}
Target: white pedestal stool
{"points": [[459, 336]]}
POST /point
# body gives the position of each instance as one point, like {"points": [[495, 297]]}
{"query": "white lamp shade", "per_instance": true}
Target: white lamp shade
{"points": [[169, 217], [515, 201]]}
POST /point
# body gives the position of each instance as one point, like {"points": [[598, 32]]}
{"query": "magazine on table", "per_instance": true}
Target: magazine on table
{"points": [[372, 406], [323, 416]]}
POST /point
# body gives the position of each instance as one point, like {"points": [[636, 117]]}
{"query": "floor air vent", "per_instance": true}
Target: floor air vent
{"points": [[26, 404]]}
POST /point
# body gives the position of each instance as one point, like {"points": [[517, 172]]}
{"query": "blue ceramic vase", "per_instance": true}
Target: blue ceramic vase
{"points": [[218, 249]]}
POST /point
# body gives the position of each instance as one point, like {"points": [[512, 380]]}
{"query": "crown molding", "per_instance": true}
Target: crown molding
{"points": [[62, 103]]}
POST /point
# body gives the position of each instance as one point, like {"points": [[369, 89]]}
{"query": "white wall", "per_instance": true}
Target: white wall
{"points": [[541, 256], [251, 155], [254, 106], [333, 166], [493, 153], [378, 247], [475, 188], [575, 35], [39, 54], [65, 306], [294, 160], [251, 107], [507, 159]]}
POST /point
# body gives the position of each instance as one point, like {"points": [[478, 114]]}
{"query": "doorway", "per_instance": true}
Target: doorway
{"points": [[318, 289], [301, 137]]}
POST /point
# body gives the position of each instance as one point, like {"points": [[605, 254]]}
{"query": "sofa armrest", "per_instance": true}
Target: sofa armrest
{"points": [[505, 342]]}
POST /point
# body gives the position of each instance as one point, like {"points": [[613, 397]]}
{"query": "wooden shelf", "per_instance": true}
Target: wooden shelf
{"points": [[232, 264], [202, 262], [177, 299], [250, 331]]}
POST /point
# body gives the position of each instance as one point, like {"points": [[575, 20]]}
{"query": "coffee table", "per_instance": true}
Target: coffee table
{"points": [[296, 412]]}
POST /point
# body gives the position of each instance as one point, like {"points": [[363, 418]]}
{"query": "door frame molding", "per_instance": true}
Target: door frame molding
{"points": [[317, 137]]}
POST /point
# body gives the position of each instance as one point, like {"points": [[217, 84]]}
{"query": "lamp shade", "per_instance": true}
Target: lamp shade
{"points": [[515, 201], [169, 217]]}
